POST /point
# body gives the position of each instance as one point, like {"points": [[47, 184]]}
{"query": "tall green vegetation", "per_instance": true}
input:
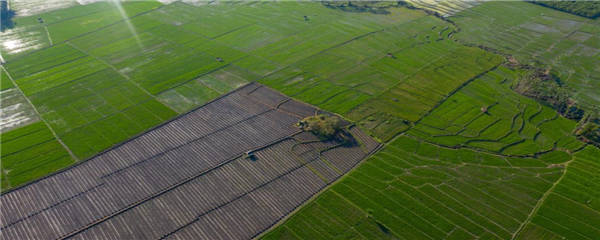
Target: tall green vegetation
{"points": [[548, 88], [322, 125], [589, 130], [590, 9]]}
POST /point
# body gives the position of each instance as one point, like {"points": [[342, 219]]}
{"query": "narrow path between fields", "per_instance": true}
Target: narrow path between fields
{"points": [[540, 202], [40, 116], [123, 75], [48, 34]]}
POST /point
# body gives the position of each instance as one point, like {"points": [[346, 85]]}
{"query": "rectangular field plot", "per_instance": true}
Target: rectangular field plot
{"points": [[488, 115], [30, 152], [188, 176], [532, 33], [415, 190]]}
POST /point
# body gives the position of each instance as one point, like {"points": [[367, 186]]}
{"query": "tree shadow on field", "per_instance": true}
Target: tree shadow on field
{"points": [[6, 16]]}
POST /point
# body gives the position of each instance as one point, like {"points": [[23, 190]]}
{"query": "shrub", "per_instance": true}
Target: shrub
{"points": [[591, 132]]}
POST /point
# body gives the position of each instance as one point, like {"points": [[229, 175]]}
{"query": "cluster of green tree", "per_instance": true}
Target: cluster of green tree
{"points": [[590, 9], [6, 16], [327, 127], [322, 125], [377, 7], [547, 87]]}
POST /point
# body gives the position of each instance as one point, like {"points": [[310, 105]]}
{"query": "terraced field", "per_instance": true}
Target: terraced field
{"points": [[427, 186], [567, 44], [488, 115]]}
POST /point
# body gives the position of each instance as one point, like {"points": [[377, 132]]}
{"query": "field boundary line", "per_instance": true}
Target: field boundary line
{"points": [[140, 103], [38, 92], [407, 209], [375, 31], [462, 181], [469, 208], [53, 66], [540, 202], [122, 75], [460, 87], [500, 211], [198, 76], [48, 34], [73, 156], [312, 199], [451, 209], [479, 150], [353, 204], [439, 103], [183, 45], [28, 147], [228, 32]]}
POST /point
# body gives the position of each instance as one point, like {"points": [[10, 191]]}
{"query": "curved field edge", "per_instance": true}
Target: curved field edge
{"points": [[420, 187]]}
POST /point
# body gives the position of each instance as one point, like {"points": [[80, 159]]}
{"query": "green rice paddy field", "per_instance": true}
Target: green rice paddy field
{"points": [[511, 172], [465, 156]]}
